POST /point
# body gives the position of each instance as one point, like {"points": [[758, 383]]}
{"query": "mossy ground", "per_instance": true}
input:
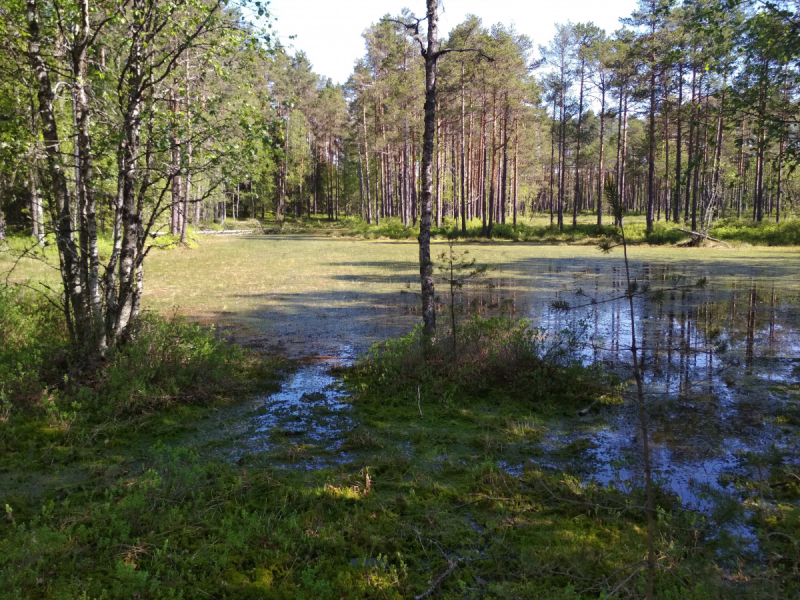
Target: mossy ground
{"points": [[134, 503], [120, 518], [135, 506]]}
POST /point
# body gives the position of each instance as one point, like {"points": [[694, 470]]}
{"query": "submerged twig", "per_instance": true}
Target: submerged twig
{"points": [[585, 411], [439, 580]]}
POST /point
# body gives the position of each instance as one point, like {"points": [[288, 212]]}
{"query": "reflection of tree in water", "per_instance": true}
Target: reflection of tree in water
{"points": [[704, 352], [752, 317], [686, 334], [693, 333]]}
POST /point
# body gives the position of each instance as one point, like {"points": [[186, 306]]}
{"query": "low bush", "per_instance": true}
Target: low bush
{"points": [[171, 360], [34, 349], [166, 361], [766, 233], [499, 357], [786, 233]]}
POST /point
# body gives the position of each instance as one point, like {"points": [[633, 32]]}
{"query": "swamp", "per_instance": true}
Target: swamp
{"points": [[496, 302], [350, 479]]}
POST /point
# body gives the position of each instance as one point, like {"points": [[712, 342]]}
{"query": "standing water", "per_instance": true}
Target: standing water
{"points": [[715, 358]]}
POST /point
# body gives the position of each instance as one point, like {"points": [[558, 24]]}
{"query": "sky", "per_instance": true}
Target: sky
{"points": [[329, 31]]}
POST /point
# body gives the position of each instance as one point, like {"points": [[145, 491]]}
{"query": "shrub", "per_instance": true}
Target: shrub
{"points": [[769, 233], [165, 361], [499, 357], [171, 361], [665, 233], [33, 353]]}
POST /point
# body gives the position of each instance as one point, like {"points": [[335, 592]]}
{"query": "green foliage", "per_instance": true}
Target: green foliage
{"points": [[48, 396], [391, 228], [456, 268], [34, 347], [181, 528], [734, 231], [497, 357], [766, 233], [171, 361]]}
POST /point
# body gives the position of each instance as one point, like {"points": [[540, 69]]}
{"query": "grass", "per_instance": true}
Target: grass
{"points": [[327, 289], [137, 512], [767, 233], [497, 357], [186, 528], [537, 229], [56, 407], [122, 497]]}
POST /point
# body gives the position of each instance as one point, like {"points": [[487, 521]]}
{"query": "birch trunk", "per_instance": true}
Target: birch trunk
{"points": [[75, 306], [129, 276]]}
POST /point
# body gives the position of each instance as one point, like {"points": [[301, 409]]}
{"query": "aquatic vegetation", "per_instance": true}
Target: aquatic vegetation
{"points": [[486, 473]]}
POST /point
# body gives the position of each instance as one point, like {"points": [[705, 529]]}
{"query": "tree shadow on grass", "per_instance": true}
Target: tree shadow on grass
{"points": [[350, 320]]}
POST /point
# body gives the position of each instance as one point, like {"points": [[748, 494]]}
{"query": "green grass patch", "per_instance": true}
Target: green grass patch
{"points": [[539, 230], [181, 528], [766, 233], [499, 360]]}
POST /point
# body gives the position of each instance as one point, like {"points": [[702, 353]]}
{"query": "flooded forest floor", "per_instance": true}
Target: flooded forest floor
{"points": [[389, 482]]}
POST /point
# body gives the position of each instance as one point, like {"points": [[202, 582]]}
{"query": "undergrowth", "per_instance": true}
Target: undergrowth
{"points": [[106, 496], [50, 397], [183, 528], [499, 357], [766, 233], [732, 230]]}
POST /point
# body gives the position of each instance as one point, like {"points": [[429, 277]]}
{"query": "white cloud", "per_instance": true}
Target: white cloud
{"points": [[329, 31]]}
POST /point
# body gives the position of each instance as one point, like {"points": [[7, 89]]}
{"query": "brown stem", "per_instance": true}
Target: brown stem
{"points": [[651, 553]]}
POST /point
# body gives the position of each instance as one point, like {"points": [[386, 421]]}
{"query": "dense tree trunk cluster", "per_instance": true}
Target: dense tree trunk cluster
{"points": [[485, 102], [119, 133], [670, 97]]}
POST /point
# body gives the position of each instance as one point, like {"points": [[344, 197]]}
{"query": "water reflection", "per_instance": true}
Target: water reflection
{"points": [[709, 356]]}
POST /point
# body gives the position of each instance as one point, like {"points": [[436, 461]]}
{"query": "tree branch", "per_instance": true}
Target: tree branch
{"points": [[413, 29], [478, 50]]}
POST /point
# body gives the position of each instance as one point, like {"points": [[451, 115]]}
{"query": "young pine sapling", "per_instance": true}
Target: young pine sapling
{"points": [[634, 289], [456, 268], [618, 239]]}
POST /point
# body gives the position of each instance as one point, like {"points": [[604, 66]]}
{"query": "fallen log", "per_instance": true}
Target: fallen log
{"points": [[227, 232], [700, 235]]}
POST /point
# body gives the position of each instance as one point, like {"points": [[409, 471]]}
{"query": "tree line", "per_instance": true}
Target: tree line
{"points": [[691, 108]]}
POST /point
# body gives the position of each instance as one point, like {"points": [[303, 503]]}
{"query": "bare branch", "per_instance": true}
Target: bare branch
{"points": [[412, 29], [477, 50]]}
